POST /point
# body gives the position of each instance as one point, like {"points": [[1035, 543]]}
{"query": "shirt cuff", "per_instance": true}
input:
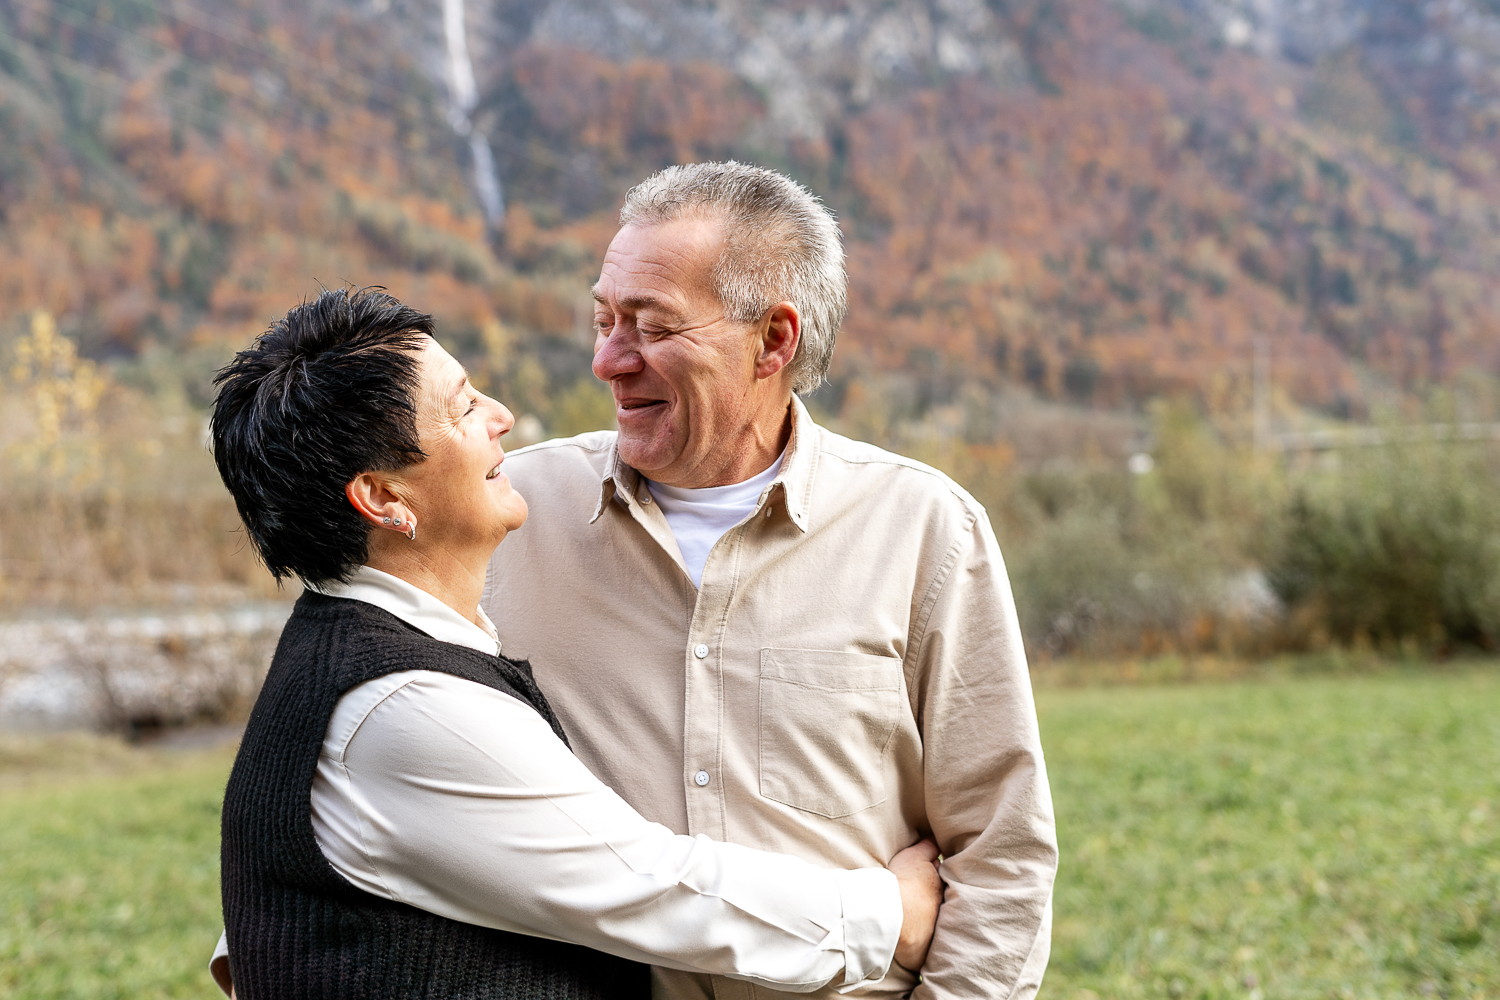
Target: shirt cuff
{"points": [[871, 899], [218, 966]]}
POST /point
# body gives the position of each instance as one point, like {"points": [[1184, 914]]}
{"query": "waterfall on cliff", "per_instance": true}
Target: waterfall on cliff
{"points": [[463, 95]]}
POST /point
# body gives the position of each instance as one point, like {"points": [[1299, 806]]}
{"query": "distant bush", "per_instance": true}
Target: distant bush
{"points": [[1399, 544], [1219, 549], [1109, 562], [1085, 580]]}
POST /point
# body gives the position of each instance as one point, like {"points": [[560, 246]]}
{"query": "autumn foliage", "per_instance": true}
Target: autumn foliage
{"points": [[1129, 225], [1134, 231]]}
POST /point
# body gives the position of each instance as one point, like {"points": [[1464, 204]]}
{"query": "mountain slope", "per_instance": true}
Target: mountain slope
{"points": [[1103, 200]]}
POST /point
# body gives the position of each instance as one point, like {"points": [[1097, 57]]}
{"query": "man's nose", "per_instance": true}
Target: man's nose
{"points": [[616, 353]]}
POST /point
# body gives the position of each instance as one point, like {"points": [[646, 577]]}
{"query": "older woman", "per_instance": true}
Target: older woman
{"points": [[404, 818]]}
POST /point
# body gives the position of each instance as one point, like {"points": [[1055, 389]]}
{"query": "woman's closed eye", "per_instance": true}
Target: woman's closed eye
{"points": [[469, 400]]}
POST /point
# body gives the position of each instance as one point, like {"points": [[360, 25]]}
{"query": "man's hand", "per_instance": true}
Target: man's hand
{"points": [[921, 894]]}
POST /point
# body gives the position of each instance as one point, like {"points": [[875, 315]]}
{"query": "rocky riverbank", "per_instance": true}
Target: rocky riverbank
{"points": [[135, 673]]}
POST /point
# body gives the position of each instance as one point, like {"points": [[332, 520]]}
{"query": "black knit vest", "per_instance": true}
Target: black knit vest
{"points": [[296, 927]]}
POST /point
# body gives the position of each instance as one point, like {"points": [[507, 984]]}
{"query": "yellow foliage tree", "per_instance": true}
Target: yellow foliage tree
{"points": [[61, 394]]}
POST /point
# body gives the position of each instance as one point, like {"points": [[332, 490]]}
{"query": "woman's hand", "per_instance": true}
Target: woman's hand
{"points": [[921, 894]]}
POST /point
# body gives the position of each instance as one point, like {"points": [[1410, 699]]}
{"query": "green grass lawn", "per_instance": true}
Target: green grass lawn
{"points": [[1306, 838], [1297, 838], [109, 878]]}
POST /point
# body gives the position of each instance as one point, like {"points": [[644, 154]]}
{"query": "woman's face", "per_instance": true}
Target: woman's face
{"points": [[460, 497]]}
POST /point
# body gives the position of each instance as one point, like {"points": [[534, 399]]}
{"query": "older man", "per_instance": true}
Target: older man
{"points": [[760, 630]]}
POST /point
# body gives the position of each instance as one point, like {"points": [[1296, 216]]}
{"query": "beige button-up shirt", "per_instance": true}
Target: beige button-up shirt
{"points": [[848, 675]]}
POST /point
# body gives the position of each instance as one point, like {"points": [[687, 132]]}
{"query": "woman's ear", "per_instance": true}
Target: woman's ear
{"points": [[374, 496]]}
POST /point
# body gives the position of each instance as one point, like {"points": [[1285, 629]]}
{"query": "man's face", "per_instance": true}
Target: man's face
{"points": [[684, 377]]}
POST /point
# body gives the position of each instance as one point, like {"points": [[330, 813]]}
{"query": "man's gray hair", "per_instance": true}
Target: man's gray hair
{"points": [[781, 244]]}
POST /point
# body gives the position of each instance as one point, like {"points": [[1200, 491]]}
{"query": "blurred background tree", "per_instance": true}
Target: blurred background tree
{"points": [[1398, 545], [59, 441]]}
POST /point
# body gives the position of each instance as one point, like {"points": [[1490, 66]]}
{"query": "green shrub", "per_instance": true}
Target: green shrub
{"points": [[1398, 544], [1107, 562], [1394, 545]]}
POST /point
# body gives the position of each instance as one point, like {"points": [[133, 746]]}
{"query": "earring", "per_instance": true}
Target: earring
{"points": [[387, 520], [398, 522], [411, 531]]}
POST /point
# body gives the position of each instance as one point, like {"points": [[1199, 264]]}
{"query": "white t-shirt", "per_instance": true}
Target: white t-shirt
{"points": [[699, 518]]}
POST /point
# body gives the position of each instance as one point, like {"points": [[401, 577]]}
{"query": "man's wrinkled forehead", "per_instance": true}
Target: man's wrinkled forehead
{"points": [[661, 266]]}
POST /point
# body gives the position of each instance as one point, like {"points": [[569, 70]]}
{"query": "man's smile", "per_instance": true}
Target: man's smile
{"points": [[636, 404]]}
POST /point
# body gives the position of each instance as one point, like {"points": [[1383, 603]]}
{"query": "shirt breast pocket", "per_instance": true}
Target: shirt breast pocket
{"points": [[826, 721]]}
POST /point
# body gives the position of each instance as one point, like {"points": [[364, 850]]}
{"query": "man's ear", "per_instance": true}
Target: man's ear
{"points": [[372, 494], [778, 340]]}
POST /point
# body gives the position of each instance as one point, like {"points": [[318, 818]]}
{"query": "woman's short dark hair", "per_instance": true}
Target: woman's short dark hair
{"points": [[328, 392]]}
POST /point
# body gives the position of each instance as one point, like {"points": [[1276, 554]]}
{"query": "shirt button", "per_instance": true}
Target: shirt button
{"points": [[701, 778], [701, 652], [645, 498]]}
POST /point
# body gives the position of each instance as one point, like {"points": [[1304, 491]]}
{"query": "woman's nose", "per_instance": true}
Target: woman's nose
{"points": [[502, 420]]}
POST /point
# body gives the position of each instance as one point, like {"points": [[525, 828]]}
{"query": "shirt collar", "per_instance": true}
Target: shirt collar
{"points": [[619, 482], [416, 607], [800, 466], [794, 481]]}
